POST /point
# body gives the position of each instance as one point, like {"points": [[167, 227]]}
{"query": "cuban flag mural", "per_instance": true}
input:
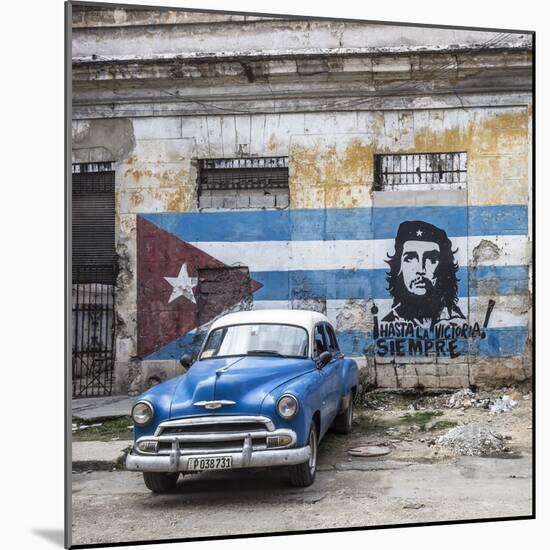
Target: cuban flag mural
{"points": [[169, 304], [395, 281]]}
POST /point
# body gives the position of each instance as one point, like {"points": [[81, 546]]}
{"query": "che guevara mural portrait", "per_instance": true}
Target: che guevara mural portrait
{"points": [[425, 317]]}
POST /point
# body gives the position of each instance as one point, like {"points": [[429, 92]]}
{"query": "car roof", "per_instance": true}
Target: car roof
{"points": [[300, 317]]}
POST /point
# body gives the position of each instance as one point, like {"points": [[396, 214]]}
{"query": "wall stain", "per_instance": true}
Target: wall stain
{"points": [[325, 174], [322, 177], [486, 251]]}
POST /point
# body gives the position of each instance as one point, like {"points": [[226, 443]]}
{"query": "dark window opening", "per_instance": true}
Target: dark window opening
{"points": [[420, 171], [240, 183]]}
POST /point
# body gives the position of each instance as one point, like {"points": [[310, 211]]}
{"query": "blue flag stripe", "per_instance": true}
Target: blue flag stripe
{"points": [[510, 341], [498, 342], [338, 223], [365, 284]]}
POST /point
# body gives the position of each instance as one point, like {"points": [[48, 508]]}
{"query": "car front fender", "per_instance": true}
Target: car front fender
{"points": [[307, 390]]}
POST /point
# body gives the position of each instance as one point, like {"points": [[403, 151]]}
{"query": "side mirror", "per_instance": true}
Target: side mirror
{"points": [[186, 361], [324, 358]]}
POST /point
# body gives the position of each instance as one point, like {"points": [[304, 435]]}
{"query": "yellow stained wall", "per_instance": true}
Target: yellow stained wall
{"points": [[157, 177], [333, 168], [336, 171]]}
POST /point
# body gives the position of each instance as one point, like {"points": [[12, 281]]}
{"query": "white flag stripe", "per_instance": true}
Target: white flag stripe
{"points": [[358, 254], [508, 311]]}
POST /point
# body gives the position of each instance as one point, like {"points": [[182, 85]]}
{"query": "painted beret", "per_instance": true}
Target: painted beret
{"points": [[420, 231]]}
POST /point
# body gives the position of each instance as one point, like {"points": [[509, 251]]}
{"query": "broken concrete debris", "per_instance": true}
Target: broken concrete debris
{"points": [[503, 405], [473, 440], [465, 398], [461, 398]]}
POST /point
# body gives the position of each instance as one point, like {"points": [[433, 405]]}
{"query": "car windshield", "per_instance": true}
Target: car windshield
{"points": [[257, 339]]}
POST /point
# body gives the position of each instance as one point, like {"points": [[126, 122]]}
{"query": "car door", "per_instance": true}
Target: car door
{"points": [[320, 345], [333, 370]]}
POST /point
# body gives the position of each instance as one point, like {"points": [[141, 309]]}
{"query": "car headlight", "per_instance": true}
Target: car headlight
{"points": [[142, 413], [287, 406]]}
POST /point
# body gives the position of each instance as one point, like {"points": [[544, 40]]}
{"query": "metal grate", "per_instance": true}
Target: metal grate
{"points": [[243, 173], [420, 170], [93, 316], [86, 167], [93, 223]]}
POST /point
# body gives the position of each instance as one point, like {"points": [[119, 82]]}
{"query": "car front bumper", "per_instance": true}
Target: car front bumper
{"points": [[178, 462]]}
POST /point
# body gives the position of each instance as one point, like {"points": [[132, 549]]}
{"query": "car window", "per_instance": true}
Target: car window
{"points": [[332, 341], [319, 340], [256, 339]]}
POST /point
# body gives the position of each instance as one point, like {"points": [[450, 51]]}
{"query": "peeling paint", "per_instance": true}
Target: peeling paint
{"points": [[115, 135], [331, 174], [355, 315], [486, 251]]}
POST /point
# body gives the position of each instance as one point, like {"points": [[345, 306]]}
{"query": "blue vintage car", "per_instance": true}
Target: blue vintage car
{"points": [[265, 389]]}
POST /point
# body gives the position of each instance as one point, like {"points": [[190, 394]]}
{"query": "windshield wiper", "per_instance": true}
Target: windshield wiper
{"points": [[265, 352]]}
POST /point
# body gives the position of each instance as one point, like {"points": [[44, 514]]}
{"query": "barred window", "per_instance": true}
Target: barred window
{"points": [[235, 183], [420, 171]]}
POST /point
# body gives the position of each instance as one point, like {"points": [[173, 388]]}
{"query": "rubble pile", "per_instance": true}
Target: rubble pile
{"points": [[473, 440], [461, 399], [502, 405], [494, 401]]}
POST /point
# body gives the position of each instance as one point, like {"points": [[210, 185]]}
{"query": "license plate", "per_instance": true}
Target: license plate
{"points": [[210, 463]]}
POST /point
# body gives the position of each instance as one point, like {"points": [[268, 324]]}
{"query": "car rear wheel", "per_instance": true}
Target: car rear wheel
{"points": [[159, 482], [343, 423], [303, 475]]}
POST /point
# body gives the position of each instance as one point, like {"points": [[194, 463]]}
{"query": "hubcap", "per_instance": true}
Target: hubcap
{"points": [[313, 455]]}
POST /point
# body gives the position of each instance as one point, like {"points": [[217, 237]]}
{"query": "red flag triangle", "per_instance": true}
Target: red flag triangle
{"points": [[180, 287]]}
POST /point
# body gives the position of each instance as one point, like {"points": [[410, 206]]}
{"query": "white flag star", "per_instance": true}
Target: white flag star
{"points": [[419, 233], [182, 285]]}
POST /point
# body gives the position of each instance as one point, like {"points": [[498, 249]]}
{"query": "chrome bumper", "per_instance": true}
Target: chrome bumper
{"points": [[178, 462]]}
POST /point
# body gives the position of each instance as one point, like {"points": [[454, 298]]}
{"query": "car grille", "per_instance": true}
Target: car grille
{"points": [[208, 436], [214, 428]]}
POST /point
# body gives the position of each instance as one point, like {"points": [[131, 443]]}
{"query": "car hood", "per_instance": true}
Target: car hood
{"points": [[244, 380]]}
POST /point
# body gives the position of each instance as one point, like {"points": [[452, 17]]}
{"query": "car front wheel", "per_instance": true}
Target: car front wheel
{"points": [[303, 475], [159, 482]]}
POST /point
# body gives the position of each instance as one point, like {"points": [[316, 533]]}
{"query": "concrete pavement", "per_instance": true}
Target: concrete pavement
{"points": [[367, 492], [99, 455], [88, 408]]}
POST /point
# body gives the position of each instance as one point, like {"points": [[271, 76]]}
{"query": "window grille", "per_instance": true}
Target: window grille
{"points": [[420, 171], [241, 183], [243, 173]]}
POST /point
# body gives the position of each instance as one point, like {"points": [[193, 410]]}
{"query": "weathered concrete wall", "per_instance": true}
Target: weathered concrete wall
{"points": [[331, 168], [325, 246], [229, 36], [176, 63], [238, 199]]}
